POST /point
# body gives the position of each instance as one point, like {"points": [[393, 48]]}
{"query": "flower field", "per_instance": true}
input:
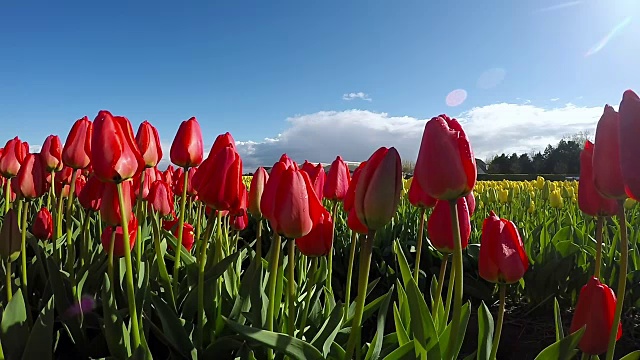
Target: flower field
{"points": [[302, 263]]}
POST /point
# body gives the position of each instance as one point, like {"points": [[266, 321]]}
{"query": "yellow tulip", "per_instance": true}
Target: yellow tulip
{"points": [[629, 203], [503, 196], [540, 182], [532, 207], [555, 199]]}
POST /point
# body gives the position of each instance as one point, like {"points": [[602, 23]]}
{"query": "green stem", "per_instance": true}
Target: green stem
{"points": [[622, 279], [138, 244], [202, 262], [9, 280], [273, 277], [220, 255], [133, 312], [438, 294], [330, 259], [84, 248], [309, 286], [183, 204], [599, 224], [363, 279], [291, 285], [419, 246], [7, 195], [110, 272], [496, 338], [71, 259], [198, 225], [52, 191], [20, 206], [23, 247], [585, 356], [457, 263], [259, 240], [352, 256], [162, 267]]}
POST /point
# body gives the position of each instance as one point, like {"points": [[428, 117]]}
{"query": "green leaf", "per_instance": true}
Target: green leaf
{"points": [[172, 326], [14, 328], [116, 332], [402, 352], [403, 337], [632, 356], [558, 320], [564, 349], [485, 332], [185, 256], [402, 262], [464, 321], [376, 344], [40, 342], [422, 326], [295, 348], [328, 331]]}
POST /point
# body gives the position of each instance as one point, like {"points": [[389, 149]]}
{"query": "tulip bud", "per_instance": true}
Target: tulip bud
{"points": [[76, 153], [352, 218], [110, 205], [419, 198], [51, 153], [149, 144], [607, 173], [258, 182], [319, 241], [502, 258], [187, 233], [118, 246], [223, 141], [337, 180], [187, 147], [440, 225], [31, 180], [555, 200], [223, 188], [10, 237], [589, 199], [90, 197], [43, 225], [12, 158], [149, 176], [316, 176], [161, 198]]}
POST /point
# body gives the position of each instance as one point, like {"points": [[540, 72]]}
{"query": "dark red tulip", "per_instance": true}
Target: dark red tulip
{"points": [[51, 153], [629, 145], [10, 236], [187, 233], [595, 309], [317, 177], [114, 152], [446, 167], [320, 240], [419, 198], [439, 226], [161, 198], [607, 172], [187, 147], [110, 206], [76, 153], [589, 199], [223, 188], [31, 180], [118, 245], [258, 182], [471, 203], [43, 225], [337, 180], [90, 197], [149, 144], [239, 218], [378, 190], [12, 157], [352, 218], [502, 258]]}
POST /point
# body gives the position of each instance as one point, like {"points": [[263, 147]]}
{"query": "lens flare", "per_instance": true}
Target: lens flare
{"points": [[613, 33], [456, 97]]}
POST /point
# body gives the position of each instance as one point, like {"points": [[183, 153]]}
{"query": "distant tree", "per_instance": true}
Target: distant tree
{"points": [[499, 165], [537, 163], [408, 166], [525, 164], [514, 164]]}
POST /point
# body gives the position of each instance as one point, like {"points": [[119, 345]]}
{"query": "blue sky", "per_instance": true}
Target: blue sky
{"points": [[247, 67]]}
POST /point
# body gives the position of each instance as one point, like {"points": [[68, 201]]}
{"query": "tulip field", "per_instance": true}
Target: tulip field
{"points": [[105, 255]]}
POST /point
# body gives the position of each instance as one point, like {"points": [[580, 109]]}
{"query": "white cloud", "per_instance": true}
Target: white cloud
{"points": [[355, 134], [554, 99], [358, 95]]}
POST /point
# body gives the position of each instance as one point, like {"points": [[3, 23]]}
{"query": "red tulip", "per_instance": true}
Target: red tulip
{"points": [[149, 144], [502, 258], [629, 148], [419, 198], [179, 181], [12, 157], [187, 233], [31, 180], [161, 198], [167, 175], [90, 197], [239, 218], [149, 176], [268, 200], [378, 190], [51, 153], [76, 153], [110, 206], [317, 177], [176, 186], [471, 203], [223, 188], [607, 172], [337, 180], [595, 309], [223, 141], [63, 181], [320, 240], [187, 148], [114, 152], [352, 218], [446, 167], [118, 246], [589, 199], [439, 226], [10, 236], [258, 182], [43, 225]]}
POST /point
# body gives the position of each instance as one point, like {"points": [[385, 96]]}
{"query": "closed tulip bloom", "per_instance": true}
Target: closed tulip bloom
{"points": [[439, 225], [51, 153], [187, 147], [63, 181], [418, 197], [502, 258], [31, 180], [81, 181], [352, 218], [114, 152], [12, 158], [239, 218], [589, 199], [118, 245], [258, 182], [607, 172], [595, 309], [76, 153], [187, 233], [149, 144], [268, 200], [110, 206], [10, 236], [629, 145], [43, 225], [223, 188], [90, 197], [377, 193], [178, 179], [317, 177], [161, 198], [320, 240], [221, 142], [337, 180], [471, 203], [149, 176], [167, 175], [446, 167]]}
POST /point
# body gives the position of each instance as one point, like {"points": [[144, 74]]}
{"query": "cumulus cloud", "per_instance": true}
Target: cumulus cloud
{"points": [[354, 96]]}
